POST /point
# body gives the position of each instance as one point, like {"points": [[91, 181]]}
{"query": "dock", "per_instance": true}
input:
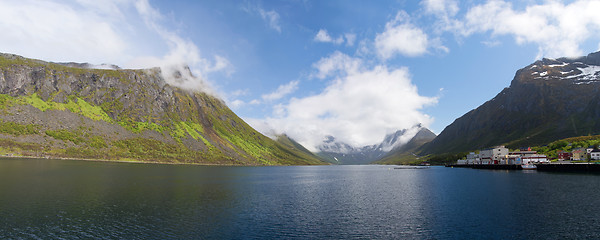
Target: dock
{"points": [[569, 167], [487, 166], [548, 167]]}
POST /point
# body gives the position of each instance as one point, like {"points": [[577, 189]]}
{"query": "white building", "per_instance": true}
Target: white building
{"points": [[589, 150], [493, 155], [535, 158], [595, 154], [473, 158], [525, 157]]}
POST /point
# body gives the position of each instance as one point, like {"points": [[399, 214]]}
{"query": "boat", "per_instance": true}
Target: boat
{"points": [[528, 166]]}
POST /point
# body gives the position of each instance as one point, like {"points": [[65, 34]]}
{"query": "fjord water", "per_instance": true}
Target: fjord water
{"points": [[52, 199]]}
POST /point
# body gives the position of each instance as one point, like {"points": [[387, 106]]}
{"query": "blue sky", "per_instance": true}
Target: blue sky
{"points": [[356, 70]]}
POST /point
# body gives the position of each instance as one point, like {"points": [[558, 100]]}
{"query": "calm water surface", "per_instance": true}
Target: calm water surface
{"points": [[53, 199]]}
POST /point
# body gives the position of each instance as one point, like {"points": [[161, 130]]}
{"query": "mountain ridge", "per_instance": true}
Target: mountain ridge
{"points": [[64, 110], [337, 152], [547, 100]]}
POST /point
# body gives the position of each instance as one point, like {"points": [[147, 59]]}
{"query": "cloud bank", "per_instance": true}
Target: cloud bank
{"points": [[401, 37], [558, 29], [360, 105], [129, 33]]}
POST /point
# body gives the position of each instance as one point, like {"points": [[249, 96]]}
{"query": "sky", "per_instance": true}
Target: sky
{"points": [[355, 70]]}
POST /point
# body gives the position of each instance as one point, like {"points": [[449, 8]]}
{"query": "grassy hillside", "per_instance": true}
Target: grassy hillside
{"points": [[51, 110]]}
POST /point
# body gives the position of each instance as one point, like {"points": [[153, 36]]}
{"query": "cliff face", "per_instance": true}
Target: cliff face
{"points": [[56, 110], [548, 100]]}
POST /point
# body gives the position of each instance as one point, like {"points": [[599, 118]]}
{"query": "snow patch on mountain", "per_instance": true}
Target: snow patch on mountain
{"points": [[558, 65], [589, 71]]}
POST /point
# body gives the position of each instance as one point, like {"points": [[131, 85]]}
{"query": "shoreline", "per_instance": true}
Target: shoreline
{"points": [[545, 167], [137, 161]]}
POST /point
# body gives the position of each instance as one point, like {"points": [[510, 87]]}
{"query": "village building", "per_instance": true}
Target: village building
{"points": [[493, 155], [501, 155], [564, 155], [589, 149], [473, 158], [525, 157], [579, 154], [595, 154]]}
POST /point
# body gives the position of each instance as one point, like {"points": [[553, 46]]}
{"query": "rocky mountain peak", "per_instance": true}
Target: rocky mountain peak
{"points": [[581, 70], [346, 154], [547, 100]]}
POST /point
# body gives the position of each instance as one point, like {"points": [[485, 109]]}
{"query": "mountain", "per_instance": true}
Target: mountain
{"points": [[297, 147], [71, 111], [337, 152], [341, 153], [548, 100], [407, 153]]}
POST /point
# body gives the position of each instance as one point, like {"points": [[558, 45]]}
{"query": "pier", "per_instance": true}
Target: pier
{"points": [[548, 167], [488, 166]]}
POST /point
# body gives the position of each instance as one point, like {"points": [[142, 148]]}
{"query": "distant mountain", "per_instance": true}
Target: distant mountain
{"points": [[407, 153], [341, 153], [296, 147], [548, 100], [69, 110]]}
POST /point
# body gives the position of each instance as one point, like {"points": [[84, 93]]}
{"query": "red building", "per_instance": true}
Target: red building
{"points": [[562, 155]]}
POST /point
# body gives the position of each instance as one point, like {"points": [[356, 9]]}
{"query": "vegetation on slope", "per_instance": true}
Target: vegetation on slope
{"points": [[123, 114], [568, 144]]}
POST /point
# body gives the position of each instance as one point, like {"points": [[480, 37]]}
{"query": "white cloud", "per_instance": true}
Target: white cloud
{"points": [[282, 91], [445, 8], [360, 105], [238, 103], [323, 36], [445, 11], [401, 37], [271, 17], [104, 32], [235, 104], [240, 92], [59, 32], [558, 29], [221, 64], [337, 64]]}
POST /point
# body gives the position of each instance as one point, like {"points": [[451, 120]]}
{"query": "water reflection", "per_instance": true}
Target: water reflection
{"points": [[73, 199], [46, 198]]}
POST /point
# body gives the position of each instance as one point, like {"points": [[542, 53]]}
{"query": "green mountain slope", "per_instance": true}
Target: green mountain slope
{"points": [[53, 110], [296, 148]]}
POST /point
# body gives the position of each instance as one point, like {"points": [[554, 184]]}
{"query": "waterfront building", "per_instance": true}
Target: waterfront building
{"points": [[564, 155], [473, 158], [513, 159], [493, 155], [595, 154], [589, 149], [579, 154], [525, 157]]}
